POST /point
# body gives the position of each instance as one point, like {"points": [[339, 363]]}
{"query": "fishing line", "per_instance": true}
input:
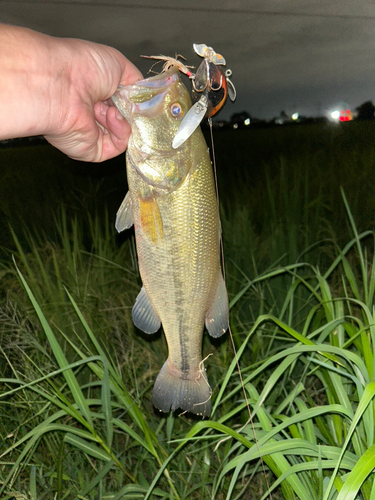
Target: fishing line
{"points": [[229, 328]]}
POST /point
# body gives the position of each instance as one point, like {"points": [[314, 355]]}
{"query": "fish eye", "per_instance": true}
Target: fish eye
{"points": [[177, 110]]}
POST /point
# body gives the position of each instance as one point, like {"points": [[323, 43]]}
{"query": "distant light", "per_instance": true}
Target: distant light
{"points": [[247, 121], [295, 116], [335, 115], [345, 115], [235, 125]]}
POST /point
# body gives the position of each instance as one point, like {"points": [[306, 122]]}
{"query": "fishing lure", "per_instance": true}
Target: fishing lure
{"points": [[211, 87]]}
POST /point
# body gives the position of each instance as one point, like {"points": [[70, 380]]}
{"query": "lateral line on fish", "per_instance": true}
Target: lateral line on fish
{"points": [[229, 328]]}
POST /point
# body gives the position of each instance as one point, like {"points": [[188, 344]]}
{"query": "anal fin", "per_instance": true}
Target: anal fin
{"points": [[217, 320], [124, 216], [143, 314]]}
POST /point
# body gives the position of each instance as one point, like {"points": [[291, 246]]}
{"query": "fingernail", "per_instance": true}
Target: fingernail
{"points": [[119, 115], [103, 109]]}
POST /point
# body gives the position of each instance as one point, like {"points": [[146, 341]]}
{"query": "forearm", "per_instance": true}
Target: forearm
{"points": [[28, 75], [60, 88]]}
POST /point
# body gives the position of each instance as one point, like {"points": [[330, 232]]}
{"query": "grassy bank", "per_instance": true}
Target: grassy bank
{"points": [[76, 419]]}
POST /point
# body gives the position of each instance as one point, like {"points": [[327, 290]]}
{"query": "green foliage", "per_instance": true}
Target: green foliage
{"points": [[76, 419]]}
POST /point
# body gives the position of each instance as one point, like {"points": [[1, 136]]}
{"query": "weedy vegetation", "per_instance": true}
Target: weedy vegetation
{"points": [[76, 421]]}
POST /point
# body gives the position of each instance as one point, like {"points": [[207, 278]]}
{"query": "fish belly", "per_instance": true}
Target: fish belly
{"points": [[177, 237]]}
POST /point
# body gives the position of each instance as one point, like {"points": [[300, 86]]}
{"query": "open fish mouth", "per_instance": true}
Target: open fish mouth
{"points": [[145, 97], [154, 108]]}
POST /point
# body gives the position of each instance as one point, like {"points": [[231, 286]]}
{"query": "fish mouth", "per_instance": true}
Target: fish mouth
{"points": [[149, 95], [160, 81], [145, 96]]}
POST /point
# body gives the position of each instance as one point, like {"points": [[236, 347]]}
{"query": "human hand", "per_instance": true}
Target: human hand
{"points": [[90, 128], [61, 88]]}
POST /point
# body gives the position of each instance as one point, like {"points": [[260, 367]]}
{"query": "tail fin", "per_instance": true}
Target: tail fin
{"points": [[174, 389]]}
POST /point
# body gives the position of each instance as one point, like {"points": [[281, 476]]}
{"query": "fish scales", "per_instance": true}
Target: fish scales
{"points": [[180, 273], [172, 203]]}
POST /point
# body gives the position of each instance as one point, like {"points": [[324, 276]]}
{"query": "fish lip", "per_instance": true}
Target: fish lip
{"points": [[161, 80]]}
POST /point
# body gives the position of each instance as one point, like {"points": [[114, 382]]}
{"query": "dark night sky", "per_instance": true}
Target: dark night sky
{"points": [[305, 56]]}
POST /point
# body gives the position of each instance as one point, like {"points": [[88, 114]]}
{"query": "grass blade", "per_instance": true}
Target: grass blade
{"points": [[60, 357]]}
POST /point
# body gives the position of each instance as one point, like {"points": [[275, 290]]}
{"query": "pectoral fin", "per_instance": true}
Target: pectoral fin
{"points": [[150, 219], [217, 320], [144, 316], [124, 216]]}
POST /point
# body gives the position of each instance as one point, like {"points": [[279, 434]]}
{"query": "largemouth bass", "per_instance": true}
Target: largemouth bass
{"points": [[172, 204]]}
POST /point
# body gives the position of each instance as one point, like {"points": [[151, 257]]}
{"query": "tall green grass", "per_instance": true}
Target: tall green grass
{"points": [[80, 425], [76, 420]]}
